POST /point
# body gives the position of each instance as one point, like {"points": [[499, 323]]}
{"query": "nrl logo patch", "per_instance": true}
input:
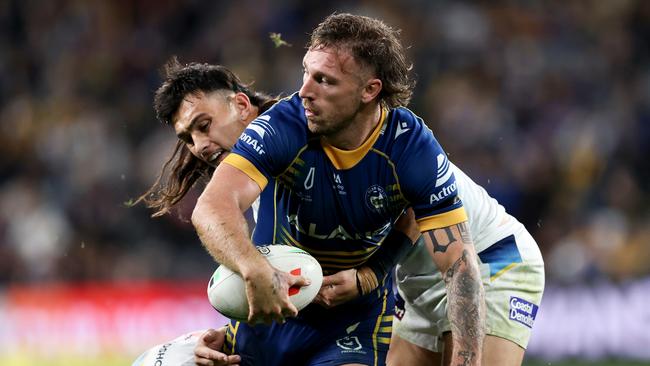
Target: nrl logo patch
{"points": [[349, 343]]}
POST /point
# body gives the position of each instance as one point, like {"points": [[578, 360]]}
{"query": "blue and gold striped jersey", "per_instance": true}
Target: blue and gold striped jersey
{"points": [[337, 204]]}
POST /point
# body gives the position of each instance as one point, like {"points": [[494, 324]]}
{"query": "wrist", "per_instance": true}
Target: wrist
{"points": [[366, 280], [255, 268]]}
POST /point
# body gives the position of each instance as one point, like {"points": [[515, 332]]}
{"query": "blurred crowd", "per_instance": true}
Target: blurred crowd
{"points": [[544, 103]]}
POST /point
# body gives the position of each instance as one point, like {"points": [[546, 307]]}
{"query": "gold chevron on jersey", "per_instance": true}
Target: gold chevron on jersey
{"points": [[346, 159]]}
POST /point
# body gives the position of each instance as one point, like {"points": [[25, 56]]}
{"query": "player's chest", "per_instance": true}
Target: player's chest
{"points": [[369, 189]]}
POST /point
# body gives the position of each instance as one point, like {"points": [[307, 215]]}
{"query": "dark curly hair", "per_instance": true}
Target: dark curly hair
{"points": [[182, 170], [372, 43]]}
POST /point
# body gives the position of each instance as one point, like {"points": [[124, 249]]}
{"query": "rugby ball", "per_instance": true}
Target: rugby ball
{"points": [[227, 292]]}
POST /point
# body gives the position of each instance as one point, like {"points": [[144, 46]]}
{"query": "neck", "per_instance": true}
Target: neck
{"points": [[358, 129]]}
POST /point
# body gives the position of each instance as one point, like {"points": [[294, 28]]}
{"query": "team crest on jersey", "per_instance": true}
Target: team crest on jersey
{"points": [[376, 198]]}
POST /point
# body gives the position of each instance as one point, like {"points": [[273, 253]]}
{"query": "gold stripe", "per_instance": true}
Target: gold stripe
{"points": [[374, 333], [340, 262], [346, 159], [234, 336], [383, 340], [295, 160], [452, 217], [503, 270], [337, 266], [387, 318], [324, 252], [387, 329], [241, 163]]}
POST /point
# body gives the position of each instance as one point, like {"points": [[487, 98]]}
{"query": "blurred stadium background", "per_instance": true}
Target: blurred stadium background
{"points": [[544, 103]]}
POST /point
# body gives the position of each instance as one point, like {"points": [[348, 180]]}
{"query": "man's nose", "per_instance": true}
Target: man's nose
{"points": [[305, 91]]}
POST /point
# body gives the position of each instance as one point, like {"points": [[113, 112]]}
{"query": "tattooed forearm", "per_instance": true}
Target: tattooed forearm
{"points": [[466, 309]]}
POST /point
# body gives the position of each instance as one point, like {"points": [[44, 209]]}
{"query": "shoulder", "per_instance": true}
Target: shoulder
{"points": [[288, 109], [285, 118], [406, 132], [405, 129]]}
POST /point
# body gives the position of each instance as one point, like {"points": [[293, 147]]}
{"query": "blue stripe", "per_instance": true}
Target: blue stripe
{"points": [[501, 254]]}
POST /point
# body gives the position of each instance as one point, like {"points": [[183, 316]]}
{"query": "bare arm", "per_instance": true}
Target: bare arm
{"points": [[453, 252], [221, 226], [220, 223]]}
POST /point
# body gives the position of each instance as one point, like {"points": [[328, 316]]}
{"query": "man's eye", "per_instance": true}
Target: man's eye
{"points": [[203, 127]]}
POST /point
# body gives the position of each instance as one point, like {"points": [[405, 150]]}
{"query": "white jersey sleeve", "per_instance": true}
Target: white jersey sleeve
{"points": [[178, 352], [488, 220]]}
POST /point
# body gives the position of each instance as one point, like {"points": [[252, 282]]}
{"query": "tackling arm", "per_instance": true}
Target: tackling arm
{"points": [[220, 223], [453, 252], [221, 226]]}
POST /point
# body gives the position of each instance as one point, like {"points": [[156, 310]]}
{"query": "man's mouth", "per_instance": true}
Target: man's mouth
{"points": [[213, 158]]}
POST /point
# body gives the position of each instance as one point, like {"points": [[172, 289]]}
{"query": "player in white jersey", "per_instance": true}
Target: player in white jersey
{"points": [[180, 351], [512, 270]]}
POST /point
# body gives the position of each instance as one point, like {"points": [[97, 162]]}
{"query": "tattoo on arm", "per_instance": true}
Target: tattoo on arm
{"points": [[465, 235], [466, 309], [277, 283], [466, 357], [441, 246]]}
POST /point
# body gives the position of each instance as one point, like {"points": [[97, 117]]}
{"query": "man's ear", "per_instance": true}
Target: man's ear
{"points": [[243, 105], [371, 90]]}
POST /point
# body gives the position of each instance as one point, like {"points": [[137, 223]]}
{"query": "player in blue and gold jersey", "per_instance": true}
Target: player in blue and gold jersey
{"points": [[344, 161]]}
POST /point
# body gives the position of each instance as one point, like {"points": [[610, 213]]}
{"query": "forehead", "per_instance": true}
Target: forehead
{"points": [[331, 60], [195, 104]]}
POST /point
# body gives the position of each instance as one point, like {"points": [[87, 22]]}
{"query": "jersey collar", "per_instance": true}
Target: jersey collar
{"points": [[346, 159]]}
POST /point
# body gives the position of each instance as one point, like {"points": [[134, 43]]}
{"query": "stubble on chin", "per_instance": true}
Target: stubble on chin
{"points": [[315, 128]]}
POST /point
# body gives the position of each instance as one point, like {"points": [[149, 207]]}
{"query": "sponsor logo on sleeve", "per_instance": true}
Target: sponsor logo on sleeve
{"points": [[261, 127], [522, 311], [442, 194], [443, 177], [252, 142]]}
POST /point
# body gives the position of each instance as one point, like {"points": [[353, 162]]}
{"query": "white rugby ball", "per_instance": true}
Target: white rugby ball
{"points": [[227, 292]]}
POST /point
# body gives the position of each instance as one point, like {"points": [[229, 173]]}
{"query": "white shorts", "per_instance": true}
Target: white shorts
{"points": [[512, 270]]}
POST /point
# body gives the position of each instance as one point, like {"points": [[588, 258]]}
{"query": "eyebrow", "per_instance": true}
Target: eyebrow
{"points": [[320, 73], [185, 132]]}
